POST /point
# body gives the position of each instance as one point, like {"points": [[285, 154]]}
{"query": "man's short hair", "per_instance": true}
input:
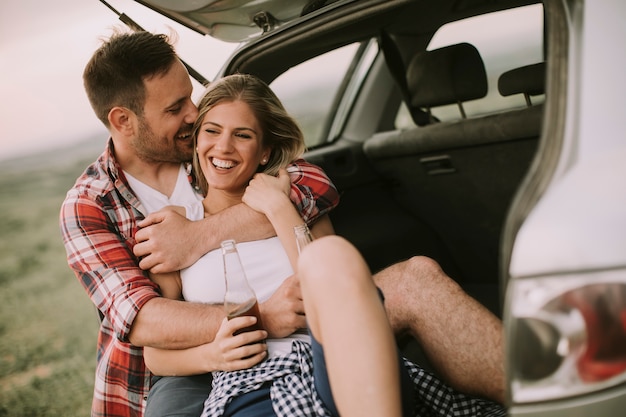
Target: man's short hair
{"points": [[115, 74]]}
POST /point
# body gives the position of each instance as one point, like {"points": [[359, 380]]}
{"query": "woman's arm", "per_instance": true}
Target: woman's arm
{"points": [[225, 353], [168, 241], [270, 195], [170, 284]]}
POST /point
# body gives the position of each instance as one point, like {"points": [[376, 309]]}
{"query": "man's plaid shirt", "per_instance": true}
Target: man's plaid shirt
{"points": [[98, 222]]}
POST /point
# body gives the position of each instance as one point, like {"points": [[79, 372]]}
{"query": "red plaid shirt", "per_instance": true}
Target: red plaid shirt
{"points": [[98, 222]]}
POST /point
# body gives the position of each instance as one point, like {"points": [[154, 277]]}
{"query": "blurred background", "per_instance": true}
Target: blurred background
{"points": [[44, 47], [48, 326]]}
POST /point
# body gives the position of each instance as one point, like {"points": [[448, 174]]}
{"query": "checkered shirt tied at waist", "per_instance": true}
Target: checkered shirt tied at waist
{"points": [[293, 394]]}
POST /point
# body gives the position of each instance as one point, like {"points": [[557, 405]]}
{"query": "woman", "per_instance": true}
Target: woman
{"points": [[245, 142]]}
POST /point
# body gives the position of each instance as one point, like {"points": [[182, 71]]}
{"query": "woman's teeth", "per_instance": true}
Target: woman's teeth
{"points": [[220, 163]]}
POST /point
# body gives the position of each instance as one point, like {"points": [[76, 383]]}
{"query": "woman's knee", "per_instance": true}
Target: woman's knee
{"points": [[332, 260]]}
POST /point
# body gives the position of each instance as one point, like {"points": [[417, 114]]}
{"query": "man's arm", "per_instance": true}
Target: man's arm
{"points": [[169, 242], [312, 192], [102, 259], [173, 324]]}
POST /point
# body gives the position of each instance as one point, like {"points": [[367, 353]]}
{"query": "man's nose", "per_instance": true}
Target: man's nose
{"points": [[191, 114]]}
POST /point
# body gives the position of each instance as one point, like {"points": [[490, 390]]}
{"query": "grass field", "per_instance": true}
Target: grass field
{"points": [[48, 326]]}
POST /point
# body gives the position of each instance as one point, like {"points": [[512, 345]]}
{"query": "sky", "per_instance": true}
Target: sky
{"points": [[44, 46]]}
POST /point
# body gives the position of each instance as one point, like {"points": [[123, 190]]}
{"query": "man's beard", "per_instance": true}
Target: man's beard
{"points": [[151, 148]]}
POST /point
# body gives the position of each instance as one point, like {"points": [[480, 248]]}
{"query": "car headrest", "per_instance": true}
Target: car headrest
{"points": [[530, 79], [449, 75]]}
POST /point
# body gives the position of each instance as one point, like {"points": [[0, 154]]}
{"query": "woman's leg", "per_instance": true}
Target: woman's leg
{"points": [[346, 316]]}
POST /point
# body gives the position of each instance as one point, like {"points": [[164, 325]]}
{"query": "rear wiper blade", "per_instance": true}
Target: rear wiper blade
{"points": [[135, 27]]}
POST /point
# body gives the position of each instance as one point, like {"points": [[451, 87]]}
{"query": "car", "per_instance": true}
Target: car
{"points": [[488, 135]]}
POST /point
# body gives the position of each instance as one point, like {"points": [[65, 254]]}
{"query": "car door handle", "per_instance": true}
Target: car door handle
{"points": [[438, 165]]}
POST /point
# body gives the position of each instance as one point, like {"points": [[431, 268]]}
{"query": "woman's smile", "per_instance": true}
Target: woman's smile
{"points": [[222, 163]]}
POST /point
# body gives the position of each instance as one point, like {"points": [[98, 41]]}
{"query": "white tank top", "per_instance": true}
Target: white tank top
{"points": [[266, 265]]}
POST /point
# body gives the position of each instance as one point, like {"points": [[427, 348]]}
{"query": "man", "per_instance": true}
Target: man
{"points": [[141, 91]]}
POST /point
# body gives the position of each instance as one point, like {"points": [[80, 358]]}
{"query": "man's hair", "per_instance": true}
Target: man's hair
{"points": [[115, 74], [279, 130]]}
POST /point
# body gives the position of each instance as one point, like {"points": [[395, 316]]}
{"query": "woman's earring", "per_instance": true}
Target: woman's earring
{"points": [[264, 161]]}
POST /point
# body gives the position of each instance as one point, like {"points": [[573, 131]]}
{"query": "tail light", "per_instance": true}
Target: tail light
{"points": [[567, 335]]}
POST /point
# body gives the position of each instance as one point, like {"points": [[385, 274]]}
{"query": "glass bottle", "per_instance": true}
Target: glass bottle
{"points": [[303, 236], [239, 299]]}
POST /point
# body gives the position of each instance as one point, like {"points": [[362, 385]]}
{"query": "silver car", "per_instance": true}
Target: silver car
{"points": [[486, 134]]}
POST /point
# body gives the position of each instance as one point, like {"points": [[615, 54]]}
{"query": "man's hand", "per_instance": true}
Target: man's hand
{"points": [[167, 242], [283, 313]]}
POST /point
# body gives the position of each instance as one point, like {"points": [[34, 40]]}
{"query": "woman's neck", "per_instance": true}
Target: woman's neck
{"points": [[218, 200]]}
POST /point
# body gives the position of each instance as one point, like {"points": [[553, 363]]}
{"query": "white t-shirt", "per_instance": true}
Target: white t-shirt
{"points": [[152, 200], [266, 265]]}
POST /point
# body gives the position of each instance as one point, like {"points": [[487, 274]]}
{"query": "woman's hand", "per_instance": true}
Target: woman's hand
{"points": [[246, 349], [266, 193]]}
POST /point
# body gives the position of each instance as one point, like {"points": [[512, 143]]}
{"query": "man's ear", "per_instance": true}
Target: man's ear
{"points": [[122, 120]]}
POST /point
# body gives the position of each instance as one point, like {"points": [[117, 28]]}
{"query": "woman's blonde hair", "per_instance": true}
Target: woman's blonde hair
{"points": [[279, 131]]}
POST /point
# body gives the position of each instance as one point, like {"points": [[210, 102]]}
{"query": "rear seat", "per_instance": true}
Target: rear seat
{"points": [[449, 75], [460, 177], [528, 80]]}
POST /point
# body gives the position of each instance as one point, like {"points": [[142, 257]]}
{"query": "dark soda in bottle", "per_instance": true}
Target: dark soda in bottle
{"points": [[249, 309], [239, 299]]}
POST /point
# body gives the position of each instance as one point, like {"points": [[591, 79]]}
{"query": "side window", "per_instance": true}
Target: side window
{"points": [[308, 90], [506, 40]]}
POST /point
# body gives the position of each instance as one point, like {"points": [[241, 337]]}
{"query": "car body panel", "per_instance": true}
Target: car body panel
{"points": [[233, 20], [562, 216], [571, 214], [587, 182]]}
